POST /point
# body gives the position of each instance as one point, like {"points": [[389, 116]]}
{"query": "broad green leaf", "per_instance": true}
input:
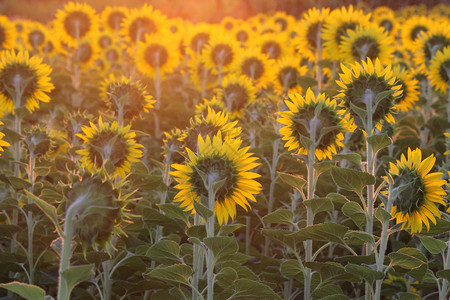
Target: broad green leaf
{"points": [[434, 246], [76, 274], [326, 232], [330, 271], [329, 290], [355, 237], [319, 204], [292, 269], [295, 181], [25, 290], [441, 226], [229, 228], [364, 272], [409, 296], [64, 164], [360, 259], [174, 211], [246, 288], [335, 297], [382, 215], [444, 274], [283, 236], [202, 210], [361, 112], [221, 246], [48, 209], [407, 258], [177, 273], [280, 216], [355, 158], [165, 252], [197, 231], [351, 180], [379, 141], [382, 95], [322, 167], [15, 182], [355, 212], [337, 199], [226, 277], [7, 230]]}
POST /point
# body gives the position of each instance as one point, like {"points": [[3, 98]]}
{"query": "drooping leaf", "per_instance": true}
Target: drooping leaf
{"points": [[434, 246], [379, 141], [295, 181], [354, 158], [364, 272], [351, 180], [280, 216], [382, 215], [226, 277], [229, 228], [24, 290], [174, 211], [407, 258], [77, 274], [326, 232], [319, 204], [444, 274], [165, 251], [246, 288], [292, 269], [49, 210], [177, 273], [329, 290], [222, 247], [202, 210], [356, 237], [355, 212], [283, 236]]}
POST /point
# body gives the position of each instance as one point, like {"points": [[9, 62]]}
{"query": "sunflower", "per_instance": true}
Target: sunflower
{"points": [[28, 76], [242, 33], [283, 20], [209, 126], [440, 70], [35, 36], [228, 23], [2, 142], [272, 44], [414, 27], [337, 25], [428, 44], [401, 284], [158, 51], [220, 53], [417, 192], [368, 41], [109, 145], [330, 124], [215, 104], [105, 39], [131, 96], [8, 33], [310, 24], [362, 84], [218, 160], [112, 17], [173, 146], [287, 72], [410, 88], [87, 52], [141, 22], [386, 19], [76, 21], [236, 92], [197, 38], [200, 76], [256, 66]]}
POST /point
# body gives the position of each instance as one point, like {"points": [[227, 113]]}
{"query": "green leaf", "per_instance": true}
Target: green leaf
{"points": [[197, 231], [174, 211], [25, 290], [165, 251], [221, 246], [202, 210], [444, 274], [291, 268], [360, 259], [229, 228], [226, 277], [351, 180], [48, 209], [306, 82], [382, 215], [329, 290], [319, 204], [337, 199], [15, 182], [355, 212], [335, 297], [409, 296], [76, 274], [64, 164], [283, 236], [361, 112], [280, 216], [356, 237], [330, 271], [7, 230], [355, 158], [177, 273], [441, 226], [382, 95], [434, 246], [364, 272], [379, 141], [326, 232], [246, 288], [293, 180], [407, 258]]}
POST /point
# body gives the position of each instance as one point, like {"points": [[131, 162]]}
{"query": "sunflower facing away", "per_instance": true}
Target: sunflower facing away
{"points": [[22, 73], [109, 143], [35, 36], [130, 95], [287, 72], [419, 191], [428, 44], [236, 92], [410, 88], [440, 70], [215, 104], [76, 21], [330, 124], [8, 33], [220, 53], [311, 23], [2, 142], [362, 84], [413, 28], [256, 66], [218, 160], [113, 16]]}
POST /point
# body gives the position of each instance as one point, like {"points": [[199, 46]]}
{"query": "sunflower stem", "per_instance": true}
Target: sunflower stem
{"points": [[30, 221], [309, 212], [319, 54], [166, 180], [210, 234], [219, 77], [383, 244], [205, 77], [443, 292], [197, 261]]}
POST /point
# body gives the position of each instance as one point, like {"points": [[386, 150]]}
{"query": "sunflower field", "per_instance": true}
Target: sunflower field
{"points": [[278, 156]]}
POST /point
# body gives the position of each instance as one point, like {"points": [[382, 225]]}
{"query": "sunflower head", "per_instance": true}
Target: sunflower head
{"points": [[440, 70], [35, 35], [410, 88], [8, 33], [37, 141], [366, 87], [87, 52], [215, 104], [311, 25], [173, 145], [126, 95], [220, 52], [113, 16], [2, 142], [217, 160], [75, 121], [316, 119], [428, 44], [24, 81], [288, 71], [209, 126], [236, 92], [109, 146], [256, 66], [415, 191]]}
